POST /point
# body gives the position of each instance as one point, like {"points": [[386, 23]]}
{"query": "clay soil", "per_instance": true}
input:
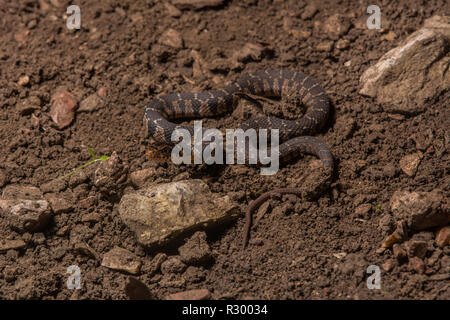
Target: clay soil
{"points": [[316, 249]]}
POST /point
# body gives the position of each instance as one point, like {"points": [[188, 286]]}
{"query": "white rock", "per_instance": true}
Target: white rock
{"points": [[408, 76], [24, 208], [421, 210], [410, 163], [161, 213]]}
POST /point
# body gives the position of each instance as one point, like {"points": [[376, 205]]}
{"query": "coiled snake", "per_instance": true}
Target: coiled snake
{"points": [[294, 135]]}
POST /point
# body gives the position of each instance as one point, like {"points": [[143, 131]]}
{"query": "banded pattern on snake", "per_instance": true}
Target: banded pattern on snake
{"points": [[294, 135]]}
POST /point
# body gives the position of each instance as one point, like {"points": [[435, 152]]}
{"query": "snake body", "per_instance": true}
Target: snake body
{"points": [[294, 135]]}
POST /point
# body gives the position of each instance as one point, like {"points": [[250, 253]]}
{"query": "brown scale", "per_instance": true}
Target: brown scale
{"points": [[294, 134]]}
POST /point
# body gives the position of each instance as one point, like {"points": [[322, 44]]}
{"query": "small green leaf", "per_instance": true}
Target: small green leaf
{"points": [[378, 208], [92, 153], [104, 158]]}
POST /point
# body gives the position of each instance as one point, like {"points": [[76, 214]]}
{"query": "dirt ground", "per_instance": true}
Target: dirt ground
{"points": [[307, 249]]}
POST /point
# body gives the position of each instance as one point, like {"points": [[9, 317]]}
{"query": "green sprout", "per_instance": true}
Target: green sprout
{"points": [[94, 159], [378, 209]]}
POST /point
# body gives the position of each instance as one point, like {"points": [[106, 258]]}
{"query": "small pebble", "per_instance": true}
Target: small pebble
{"points": [[122, 260], [196, 294], [23, 81], [62, 109]]}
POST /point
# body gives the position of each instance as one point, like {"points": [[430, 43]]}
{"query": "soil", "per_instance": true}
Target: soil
{"points": [[317, 249]]}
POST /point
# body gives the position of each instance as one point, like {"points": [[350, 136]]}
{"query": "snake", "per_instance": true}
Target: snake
{"points": [[295, 135]]}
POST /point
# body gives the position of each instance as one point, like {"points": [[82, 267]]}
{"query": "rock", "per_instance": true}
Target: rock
{"points": [[62, 232], [388, 265], [29, 105], [142, 177], [56, 185], [58, 203], [6, 245], [91, 217], [137, 290], [300, 34], [390, 36], [91, 103], [443, 237], [249, 52], [122, 260], [434, 257], [173, 265], [62, 108], [110, 177], [182, 176], [338, 255], [156, 262], [24, 81], [335, 26], [196, 294], [410, 75], [196, 250], [172, 10], [101, 92], [38, 238], [159, 214], [35, 122], [196, 4], [309, 11], [325, 46], [421, 210], [24, 208], [171, 38], [410, 163], [417, 265], [17, 192], [342, 44]]}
